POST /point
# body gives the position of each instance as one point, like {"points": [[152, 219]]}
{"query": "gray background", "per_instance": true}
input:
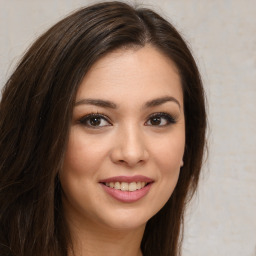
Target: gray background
{"points": [[221, 219]]}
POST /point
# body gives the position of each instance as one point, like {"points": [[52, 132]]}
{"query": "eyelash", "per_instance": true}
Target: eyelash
{"points": [[169, 118], [84, 120]]}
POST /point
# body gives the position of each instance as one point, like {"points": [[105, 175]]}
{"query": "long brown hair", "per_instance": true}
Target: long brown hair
{"points": [[35, 115]]}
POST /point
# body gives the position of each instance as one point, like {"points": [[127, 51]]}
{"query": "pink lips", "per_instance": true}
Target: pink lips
{"points": [[127, 196]]}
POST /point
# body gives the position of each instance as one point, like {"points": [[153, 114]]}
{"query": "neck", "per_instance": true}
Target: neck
{"points": [[92, 239]]}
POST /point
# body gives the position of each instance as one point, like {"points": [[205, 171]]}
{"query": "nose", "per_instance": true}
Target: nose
{"points": [[130, 148]]}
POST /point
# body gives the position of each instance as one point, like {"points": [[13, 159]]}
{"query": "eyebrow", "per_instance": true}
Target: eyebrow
{"points": [[109, 104], [160, 101], [97, 102]]}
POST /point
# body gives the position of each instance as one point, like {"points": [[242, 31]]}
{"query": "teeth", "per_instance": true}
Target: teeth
{"points": [[138, 185], [132, 186], [125, 186], [117, 185]]}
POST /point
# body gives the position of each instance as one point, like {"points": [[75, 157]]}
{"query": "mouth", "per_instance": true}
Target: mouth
{"points": [[125, 186]]}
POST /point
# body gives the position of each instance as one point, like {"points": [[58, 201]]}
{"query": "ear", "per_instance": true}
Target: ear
{"points": [[181, 163]]}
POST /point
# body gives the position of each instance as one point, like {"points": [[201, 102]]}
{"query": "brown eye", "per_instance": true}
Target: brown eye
{"points": [[155, 120], [94, 121], [160, 119]]}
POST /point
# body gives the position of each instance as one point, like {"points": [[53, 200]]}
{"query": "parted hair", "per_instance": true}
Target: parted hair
{"points": [[35, 116]]}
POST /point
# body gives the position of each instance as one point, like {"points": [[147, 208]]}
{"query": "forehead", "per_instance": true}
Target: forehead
{"points": [[132, 74]]}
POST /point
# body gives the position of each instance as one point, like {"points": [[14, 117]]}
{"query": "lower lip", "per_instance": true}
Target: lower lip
{"points": [[127, 196]]}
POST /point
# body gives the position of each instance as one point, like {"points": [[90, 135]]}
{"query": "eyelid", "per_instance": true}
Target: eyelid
{"points": [[88, 116], [170, 118]]}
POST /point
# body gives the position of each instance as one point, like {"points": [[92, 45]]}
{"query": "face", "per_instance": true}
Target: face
{"points": [[126, 141]]}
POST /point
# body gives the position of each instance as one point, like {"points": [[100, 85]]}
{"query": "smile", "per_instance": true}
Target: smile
{"points": [[127, 189], [125, 186]]}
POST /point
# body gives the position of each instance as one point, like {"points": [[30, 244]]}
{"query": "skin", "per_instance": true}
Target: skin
{"points": [[128, 142]]}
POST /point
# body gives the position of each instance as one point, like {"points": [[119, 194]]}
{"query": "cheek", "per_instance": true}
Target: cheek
{"points": [[83, 155], [82, 161], [168, 153], [166, 156]]}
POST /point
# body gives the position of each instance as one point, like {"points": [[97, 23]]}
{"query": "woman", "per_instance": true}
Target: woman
{"points": [[102, 130]]}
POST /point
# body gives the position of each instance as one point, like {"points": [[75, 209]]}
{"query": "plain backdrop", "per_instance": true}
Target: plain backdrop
{"points": [[221, 220]]}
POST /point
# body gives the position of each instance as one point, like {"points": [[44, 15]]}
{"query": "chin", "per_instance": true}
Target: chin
{"points": [[126, 219]]}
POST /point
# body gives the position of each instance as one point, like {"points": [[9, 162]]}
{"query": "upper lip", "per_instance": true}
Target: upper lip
{"points": [[127, 179]]}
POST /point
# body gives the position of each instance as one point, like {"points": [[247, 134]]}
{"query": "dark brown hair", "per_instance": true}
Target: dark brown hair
{"points": [[35, 114]]}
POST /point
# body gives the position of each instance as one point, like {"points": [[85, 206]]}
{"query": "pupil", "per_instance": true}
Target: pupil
{"points": [[156, 121], [95, 121]]}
